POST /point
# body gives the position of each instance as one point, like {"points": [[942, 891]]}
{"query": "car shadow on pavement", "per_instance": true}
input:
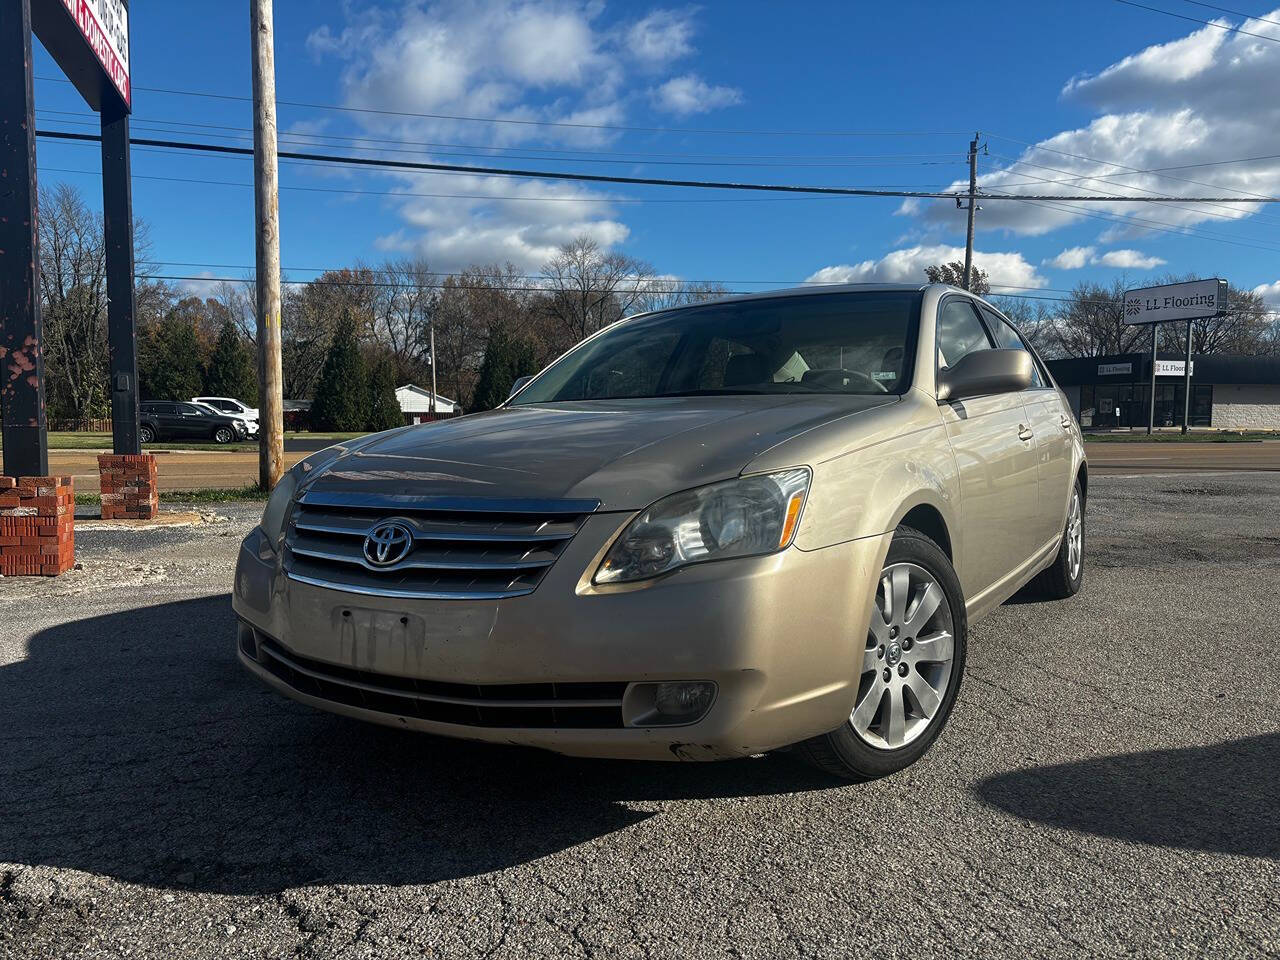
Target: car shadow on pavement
{"points": [[1219, 799], [135, 746]]}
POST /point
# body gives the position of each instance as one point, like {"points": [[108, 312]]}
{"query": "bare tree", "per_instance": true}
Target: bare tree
{"points": [[403, 304], [1091, 323], [591, 289], [663, 293], [73, 301], [473, 307], [1035, 320]]}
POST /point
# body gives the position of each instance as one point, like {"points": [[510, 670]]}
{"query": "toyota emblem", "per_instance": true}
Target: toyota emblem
{"points": [[388, 543]]}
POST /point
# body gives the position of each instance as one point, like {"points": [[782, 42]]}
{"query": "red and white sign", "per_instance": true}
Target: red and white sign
{"points": [[105, 25]]}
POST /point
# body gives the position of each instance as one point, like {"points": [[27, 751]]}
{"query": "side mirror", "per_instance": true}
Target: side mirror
{"points": [[983, 372], [518, 386]]}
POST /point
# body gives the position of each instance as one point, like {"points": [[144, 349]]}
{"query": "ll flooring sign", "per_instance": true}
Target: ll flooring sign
{"points": [[1176, 301]]}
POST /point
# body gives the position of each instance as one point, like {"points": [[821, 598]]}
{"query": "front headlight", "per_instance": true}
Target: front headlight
{"points": [[277, 510], [745, 517]]}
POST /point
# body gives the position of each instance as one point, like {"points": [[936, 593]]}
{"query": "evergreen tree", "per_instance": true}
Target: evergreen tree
{"points": [[384, 408], [232, 371], [505, 361], [169, 360], [342, 395]]}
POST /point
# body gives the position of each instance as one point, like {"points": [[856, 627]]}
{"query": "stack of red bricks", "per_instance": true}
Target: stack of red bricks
{"points": [[129, 490], [37, 526]]}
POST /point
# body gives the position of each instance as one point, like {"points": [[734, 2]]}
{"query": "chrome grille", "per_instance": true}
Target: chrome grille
{"points": [[463, 548]]}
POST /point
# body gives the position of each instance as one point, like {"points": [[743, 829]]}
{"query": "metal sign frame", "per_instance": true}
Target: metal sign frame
{"points": [[1184, 302], [87, 51]]}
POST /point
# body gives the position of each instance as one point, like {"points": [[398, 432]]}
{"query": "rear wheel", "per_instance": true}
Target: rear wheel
{"points": [[223, 435], [910, 668], [146, 434], [1064, 576]]}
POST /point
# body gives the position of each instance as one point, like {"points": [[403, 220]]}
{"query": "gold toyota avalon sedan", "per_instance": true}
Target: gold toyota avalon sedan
{"points": [[702, 533]]}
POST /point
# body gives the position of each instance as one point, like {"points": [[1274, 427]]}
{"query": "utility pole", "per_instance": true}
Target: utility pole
{"points": [[973, 209], [266, 197], [431, 326]]}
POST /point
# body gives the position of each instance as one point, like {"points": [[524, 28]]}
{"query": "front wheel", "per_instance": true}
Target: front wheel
{"points": [[223, 435], [910, 670]]}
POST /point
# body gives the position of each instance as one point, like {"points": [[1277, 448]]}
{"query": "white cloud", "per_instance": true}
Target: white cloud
{"points": [[530, 61], [691, 94], [662, 36], [907, 266], [203, 285], [1072, 258], [1270, 293], [1130, 260], [1210, 96]]}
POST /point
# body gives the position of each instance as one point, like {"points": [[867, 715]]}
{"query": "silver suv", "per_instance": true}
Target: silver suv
{"points": [[701, 533]]}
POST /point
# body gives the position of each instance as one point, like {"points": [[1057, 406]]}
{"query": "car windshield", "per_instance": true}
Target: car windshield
{"points": [[848, 343]]}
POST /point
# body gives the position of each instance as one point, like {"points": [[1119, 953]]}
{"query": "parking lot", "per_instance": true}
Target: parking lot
{"points": [[1107, 784]]}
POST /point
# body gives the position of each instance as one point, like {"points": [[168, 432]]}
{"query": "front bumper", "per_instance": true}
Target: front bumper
{"points": [[780, 636]]}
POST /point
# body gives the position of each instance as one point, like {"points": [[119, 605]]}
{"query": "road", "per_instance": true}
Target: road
{"points": [[1106, 785], [193, 470]]}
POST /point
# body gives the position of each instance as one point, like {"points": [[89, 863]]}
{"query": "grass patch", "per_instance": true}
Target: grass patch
{"points": [[1217, 436], [250, 493], [62, 440]]}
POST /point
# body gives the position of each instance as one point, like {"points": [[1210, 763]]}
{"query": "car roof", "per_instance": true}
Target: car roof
{"points": [[810, 290]]}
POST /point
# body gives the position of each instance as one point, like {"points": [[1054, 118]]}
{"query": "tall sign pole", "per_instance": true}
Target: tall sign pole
{"points": [[26, 448], [1186, 382], [1155, 359], [117, 219], [1189, 301], [266, 196]]}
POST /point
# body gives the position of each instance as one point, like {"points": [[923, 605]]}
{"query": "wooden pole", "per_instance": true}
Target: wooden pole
{"points": [[266, 196]]}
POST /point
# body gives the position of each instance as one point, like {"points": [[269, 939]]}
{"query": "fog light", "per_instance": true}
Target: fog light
{"points": [[684, 700]]}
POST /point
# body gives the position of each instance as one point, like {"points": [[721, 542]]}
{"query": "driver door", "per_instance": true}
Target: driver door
{"points": [[995, 456]]}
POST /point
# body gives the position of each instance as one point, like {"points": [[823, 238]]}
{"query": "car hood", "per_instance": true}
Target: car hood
{"points": [[624, 453]]}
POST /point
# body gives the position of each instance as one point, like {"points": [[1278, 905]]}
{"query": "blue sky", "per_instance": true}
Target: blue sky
{"points": [[1096, 90]]}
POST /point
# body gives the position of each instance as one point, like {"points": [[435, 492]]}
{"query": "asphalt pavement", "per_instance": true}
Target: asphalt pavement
{"points": [[1106, 787]]}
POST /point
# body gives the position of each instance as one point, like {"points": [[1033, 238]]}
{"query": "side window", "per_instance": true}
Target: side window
{"points": [[960, 332], [165, 408], [1008, 337], [188, 410]]}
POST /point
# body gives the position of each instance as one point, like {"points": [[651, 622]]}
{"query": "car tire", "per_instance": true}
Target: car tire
{"points": [[863, 750], [146, 434], [1063, 577], [223, 435]]}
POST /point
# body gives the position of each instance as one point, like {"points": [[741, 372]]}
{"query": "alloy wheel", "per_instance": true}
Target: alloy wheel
{"points": [[907, 663], [1075, 537]]}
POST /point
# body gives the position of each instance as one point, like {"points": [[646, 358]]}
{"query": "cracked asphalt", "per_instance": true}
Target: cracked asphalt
{"points": [[1107, 785]]}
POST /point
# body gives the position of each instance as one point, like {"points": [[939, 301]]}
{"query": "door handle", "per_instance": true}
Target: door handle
{"points": [[1024, 432], [1066, 422]]}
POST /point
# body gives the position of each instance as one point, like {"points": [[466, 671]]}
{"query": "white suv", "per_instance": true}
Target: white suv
{"points": [[231, 407]]}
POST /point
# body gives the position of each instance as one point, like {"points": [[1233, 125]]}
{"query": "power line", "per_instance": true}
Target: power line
{"points": [[478, 196], [543, 123], [242, 137], [1234, 13], [1107, 195], [86, 119], [1208, 23], [645, 181]]}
